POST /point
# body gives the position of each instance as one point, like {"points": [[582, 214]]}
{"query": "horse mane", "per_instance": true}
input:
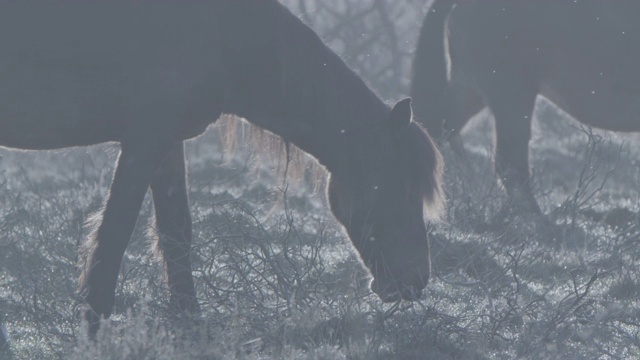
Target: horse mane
{"points": [[427, 167], [292, 164], [424, 160]]}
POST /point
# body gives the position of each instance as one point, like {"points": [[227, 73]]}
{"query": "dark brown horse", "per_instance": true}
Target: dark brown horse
{"points": [[581, 55], [151, 74]]}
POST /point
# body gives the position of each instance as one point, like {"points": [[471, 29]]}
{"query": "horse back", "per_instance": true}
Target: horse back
{"points": [[77, 73]]}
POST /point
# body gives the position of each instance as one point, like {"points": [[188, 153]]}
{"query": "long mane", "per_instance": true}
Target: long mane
{"points": [[302, 91], [428, 166]]}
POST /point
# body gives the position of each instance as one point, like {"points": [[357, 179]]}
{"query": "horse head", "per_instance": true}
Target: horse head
{"points": [[382, 200]]}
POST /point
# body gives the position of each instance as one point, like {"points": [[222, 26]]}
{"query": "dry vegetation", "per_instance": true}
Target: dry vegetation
{"points": [[283, 283]]}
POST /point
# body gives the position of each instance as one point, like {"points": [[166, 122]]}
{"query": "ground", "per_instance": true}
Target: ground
{"points": [[277, 279]]}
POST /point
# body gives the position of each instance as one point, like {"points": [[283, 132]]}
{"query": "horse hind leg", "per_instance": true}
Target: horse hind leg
{"points": [[106, 247], [173, 231]]}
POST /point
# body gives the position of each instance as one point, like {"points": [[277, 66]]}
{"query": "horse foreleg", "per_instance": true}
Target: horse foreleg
{"points": [[462, 103], [512, 107], [173, 230], [106, 247]]}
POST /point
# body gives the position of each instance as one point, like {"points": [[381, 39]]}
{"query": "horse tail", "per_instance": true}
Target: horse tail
{"points": [[430, 81]]}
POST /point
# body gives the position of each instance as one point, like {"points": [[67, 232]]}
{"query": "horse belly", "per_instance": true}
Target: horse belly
{"points": [[45, 106], [593, 97]]}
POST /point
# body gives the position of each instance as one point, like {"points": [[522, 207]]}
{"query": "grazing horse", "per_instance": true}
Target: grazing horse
{"points": [[151, 74], [581, 55]]}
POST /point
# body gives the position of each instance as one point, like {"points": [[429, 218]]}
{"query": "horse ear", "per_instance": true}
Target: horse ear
{"points": [[400, 115]]}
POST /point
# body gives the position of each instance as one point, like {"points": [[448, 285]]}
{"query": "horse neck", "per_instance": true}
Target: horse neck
{"points": [[282, 78], [336, 124]]}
